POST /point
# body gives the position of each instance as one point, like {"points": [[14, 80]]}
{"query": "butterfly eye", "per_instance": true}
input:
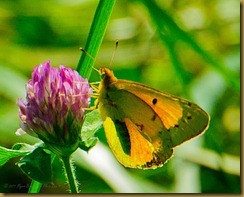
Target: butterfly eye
{"points": [[102, 71]]}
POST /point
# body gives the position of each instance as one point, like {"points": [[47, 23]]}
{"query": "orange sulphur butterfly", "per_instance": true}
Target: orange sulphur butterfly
{"points": [[143, 125]]}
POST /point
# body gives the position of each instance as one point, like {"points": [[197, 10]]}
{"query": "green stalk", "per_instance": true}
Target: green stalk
{"points": [[85, 64], [70, 175], [95, 37], [35, 187]]}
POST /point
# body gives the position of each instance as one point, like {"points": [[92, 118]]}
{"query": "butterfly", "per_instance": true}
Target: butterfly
{"points": [[143, 125]]}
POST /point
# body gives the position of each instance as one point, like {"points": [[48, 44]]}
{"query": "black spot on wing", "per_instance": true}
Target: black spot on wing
{"points": [[156, 161], [189, 116], [154, 101], [154, 117]]}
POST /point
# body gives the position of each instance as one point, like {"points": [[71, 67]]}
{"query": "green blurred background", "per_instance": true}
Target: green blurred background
{"points": [[32, 32]]}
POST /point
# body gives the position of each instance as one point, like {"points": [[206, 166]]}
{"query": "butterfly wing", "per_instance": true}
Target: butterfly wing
{"points": [[142, 125], [130, 132], [181, 118]]}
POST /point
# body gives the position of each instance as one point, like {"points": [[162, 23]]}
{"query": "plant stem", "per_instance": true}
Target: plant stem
{"points": [[69, 174], [95, 36], [35, 187]]}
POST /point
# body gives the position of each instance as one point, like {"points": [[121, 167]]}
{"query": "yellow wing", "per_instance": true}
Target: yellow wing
{"points": [[181, 118], [142, 125]]}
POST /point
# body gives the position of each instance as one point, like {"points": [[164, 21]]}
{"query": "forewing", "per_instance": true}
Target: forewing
{"points": [[182, 119]]}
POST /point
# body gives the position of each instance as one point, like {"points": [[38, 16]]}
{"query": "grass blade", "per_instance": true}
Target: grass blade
{"points": [[95, 37]]}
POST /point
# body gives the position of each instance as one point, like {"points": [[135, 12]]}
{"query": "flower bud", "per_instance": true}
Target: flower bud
{"points": [[54, 107]]}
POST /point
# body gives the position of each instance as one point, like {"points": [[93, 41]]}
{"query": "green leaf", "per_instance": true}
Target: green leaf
{"points": [[6, 154], [36, 186], [37, 165], [88, 144], [92, 123], [95, 37], [90, 126]]}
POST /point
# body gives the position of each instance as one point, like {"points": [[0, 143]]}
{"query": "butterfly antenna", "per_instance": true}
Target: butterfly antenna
{"points": [[89, 55], [112, 58]]}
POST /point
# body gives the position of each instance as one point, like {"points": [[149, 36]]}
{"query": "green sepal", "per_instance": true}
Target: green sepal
{"points": [[90, 126], [37, 165]]}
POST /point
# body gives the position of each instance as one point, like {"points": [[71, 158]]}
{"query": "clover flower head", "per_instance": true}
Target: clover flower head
{"points": [[54, 107]]}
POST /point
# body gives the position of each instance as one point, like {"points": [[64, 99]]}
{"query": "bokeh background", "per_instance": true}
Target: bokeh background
{"points": [[36, 31]]}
